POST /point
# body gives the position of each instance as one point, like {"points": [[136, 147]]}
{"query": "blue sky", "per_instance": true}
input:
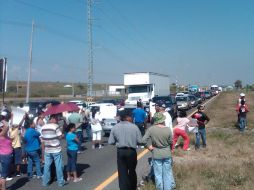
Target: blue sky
{"points": [[193, 41]]}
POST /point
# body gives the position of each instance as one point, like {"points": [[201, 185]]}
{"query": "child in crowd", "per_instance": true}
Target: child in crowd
{"points": [[72, 152]]}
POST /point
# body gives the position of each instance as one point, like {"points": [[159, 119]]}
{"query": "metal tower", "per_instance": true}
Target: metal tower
{"points": [[90, 50]]}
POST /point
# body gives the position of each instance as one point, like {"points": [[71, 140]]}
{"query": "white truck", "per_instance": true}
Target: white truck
{"points": [[143, 86]]}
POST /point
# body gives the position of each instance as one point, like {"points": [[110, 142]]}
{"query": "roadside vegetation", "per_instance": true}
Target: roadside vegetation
{"points": [[228, 161]]}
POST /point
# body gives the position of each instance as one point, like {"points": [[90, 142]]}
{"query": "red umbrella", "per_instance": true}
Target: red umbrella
{"points": [[61, 108]]}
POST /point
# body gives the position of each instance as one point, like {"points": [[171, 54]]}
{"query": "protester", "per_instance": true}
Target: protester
{"points": [[86, 114], [202, 120], [168, 120], [5, 153], [242, 111], [51, 135], [77, 119], [180, 130], [126, 136], [72, 151], [32, 148], [15, 135], [242, 97], [140, 117], [161, 139], [96, 130]]}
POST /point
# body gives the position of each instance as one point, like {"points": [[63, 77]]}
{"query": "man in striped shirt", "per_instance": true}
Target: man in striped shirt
{"points": [[51, 135]]}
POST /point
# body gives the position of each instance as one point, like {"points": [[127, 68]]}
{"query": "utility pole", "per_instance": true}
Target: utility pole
{"points": [[90, 50], [30, 64]]}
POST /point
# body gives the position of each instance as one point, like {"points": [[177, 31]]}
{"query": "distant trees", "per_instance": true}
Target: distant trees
{"points": [[238, 84]]}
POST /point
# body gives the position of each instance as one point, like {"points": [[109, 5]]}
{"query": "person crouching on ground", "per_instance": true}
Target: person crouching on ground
{"points": [[72, 152], [161, 138], [180, 130]]}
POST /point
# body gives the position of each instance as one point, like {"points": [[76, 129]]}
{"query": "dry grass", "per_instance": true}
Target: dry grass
{"points": [[228, 161]]}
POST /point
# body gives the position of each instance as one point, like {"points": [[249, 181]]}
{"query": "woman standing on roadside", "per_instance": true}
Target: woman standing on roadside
{"points": [[161, 138], [5, 152], [72, 153]]}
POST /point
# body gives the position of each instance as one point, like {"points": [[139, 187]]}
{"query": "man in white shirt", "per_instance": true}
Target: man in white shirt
{"points": [[168, 120]]}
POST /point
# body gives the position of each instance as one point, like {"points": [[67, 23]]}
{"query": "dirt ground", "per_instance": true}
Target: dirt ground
{"points": [[228, 161]]}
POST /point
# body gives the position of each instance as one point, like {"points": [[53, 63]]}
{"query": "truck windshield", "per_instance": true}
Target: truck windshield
{"points": [[138, 89]]}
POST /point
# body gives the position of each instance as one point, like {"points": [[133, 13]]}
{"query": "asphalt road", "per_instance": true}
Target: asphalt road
{"points": [[94, 166]]}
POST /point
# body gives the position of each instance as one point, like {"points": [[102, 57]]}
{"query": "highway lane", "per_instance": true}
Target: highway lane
{"points": [[94, 165]]}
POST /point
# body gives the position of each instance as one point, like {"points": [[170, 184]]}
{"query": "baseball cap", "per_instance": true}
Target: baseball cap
{"points": [[242, 94]]}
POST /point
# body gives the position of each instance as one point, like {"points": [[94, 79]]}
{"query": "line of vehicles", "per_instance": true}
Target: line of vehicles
{"points": [[147, 87]]}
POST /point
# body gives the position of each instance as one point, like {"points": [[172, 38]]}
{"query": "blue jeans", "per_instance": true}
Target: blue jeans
{"points": [[202, 133], [5, 161], [72, 161], [164, 178], [58, 160], [33, 157], [80, 138], [242, 123]]}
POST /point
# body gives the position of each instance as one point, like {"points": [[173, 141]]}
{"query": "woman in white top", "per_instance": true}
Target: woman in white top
{"points": [[180, 130], [96, 129]]}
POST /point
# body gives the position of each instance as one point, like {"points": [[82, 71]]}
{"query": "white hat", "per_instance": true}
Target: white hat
{"points": [[242, 94], [3, 113]]}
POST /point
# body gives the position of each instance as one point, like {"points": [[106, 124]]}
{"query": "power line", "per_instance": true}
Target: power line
{"points": [[48, 11], [45, 29]]}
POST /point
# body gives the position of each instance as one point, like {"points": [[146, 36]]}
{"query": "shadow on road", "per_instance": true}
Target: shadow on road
{"points": [[19, 183]]}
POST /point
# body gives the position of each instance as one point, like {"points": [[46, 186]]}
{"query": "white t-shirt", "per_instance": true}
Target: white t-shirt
{"points": [[168, 121]]}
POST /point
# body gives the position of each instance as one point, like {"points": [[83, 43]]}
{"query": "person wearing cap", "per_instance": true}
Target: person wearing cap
{"points": [[168, 120], [202, 120], [5, 153], [160, 137], [126, 136], [242, 111], [242, 97]]}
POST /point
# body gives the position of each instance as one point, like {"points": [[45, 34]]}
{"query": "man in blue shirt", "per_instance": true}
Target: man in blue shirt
{"points": [[139, 117], [32, 148]]}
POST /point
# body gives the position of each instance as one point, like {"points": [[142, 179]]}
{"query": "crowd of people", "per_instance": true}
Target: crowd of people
{"points": [[160, 138], [37, 142]]}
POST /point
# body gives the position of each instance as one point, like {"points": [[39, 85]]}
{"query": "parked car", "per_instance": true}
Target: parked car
{"points": [[170, 102], [202, 95], [33, 107], [81, 104], [194, 100], [208, 94], [199, 98], [107, 115], [183, 102], [117, 102]]}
